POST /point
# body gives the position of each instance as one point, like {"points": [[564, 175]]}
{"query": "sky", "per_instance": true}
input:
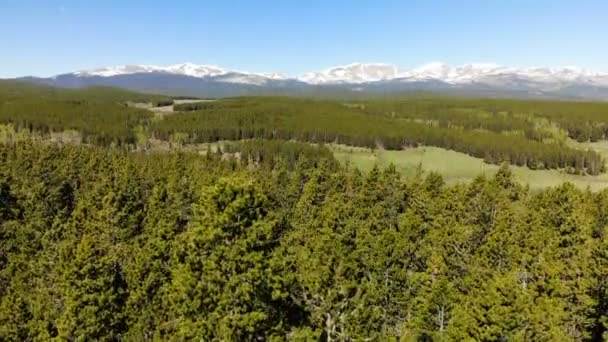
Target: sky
{"points": [[49, 37]]}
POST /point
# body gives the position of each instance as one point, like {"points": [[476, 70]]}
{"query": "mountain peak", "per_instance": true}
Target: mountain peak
{"points": [[195, 70], [353, 73]]}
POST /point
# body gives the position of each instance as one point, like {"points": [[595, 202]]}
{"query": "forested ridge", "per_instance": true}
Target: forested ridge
{"points": [[105, 244], [523, 133]]}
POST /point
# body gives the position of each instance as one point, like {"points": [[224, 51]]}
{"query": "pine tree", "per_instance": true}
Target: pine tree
{"points": [[220, 286], [94, 292]]}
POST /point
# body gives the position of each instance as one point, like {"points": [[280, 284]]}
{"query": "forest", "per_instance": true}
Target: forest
{"points": [[324, 121], [267, 237], [108, 244], [496, 130]]}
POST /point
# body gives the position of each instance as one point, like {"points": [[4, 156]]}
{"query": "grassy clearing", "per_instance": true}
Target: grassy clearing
{"points": [[457, 167]]}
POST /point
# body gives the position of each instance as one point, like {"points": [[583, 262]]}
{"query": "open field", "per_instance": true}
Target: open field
{"points": [[456, 167]]}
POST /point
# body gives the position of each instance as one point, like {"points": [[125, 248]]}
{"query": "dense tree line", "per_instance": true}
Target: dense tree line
{"points": [[98, 123], [333, 122], [496, 130], [190, 106], [103, 244], [454, 112], [273, 152], [99, 114], [583, 121]]}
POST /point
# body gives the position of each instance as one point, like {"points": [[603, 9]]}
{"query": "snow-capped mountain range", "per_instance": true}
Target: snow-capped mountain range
{"points": [[476, 79], [357, 73], [185, 69]]}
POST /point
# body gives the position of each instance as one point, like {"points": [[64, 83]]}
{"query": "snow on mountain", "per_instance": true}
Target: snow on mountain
{"points": [[563, 74], [186, 69], [363, 73], [194, 70], [475, 79], [360, 73], [248, 78], [456, 75], [435, 70], [118, 70], [352, 73]]}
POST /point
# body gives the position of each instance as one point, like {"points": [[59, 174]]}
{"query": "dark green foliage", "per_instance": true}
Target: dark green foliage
{"points": [[272, 152], [189, 107], [162, 103], [105, 244], [453, 112], [100, 115], [268, 238], [582, 120], [220, 286]]}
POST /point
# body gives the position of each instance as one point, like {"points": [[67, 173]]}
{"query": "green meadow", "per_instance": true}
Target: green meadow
{"points": [[456, 167]]}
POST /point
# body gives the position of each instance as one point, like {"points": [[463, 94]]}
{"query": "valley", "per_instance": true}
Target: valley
{"points": [[359, 133]]}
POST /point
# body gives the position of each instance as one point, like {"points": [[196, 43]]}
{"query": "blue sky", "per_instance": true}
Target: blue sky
{"points": [[48, 37]]}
